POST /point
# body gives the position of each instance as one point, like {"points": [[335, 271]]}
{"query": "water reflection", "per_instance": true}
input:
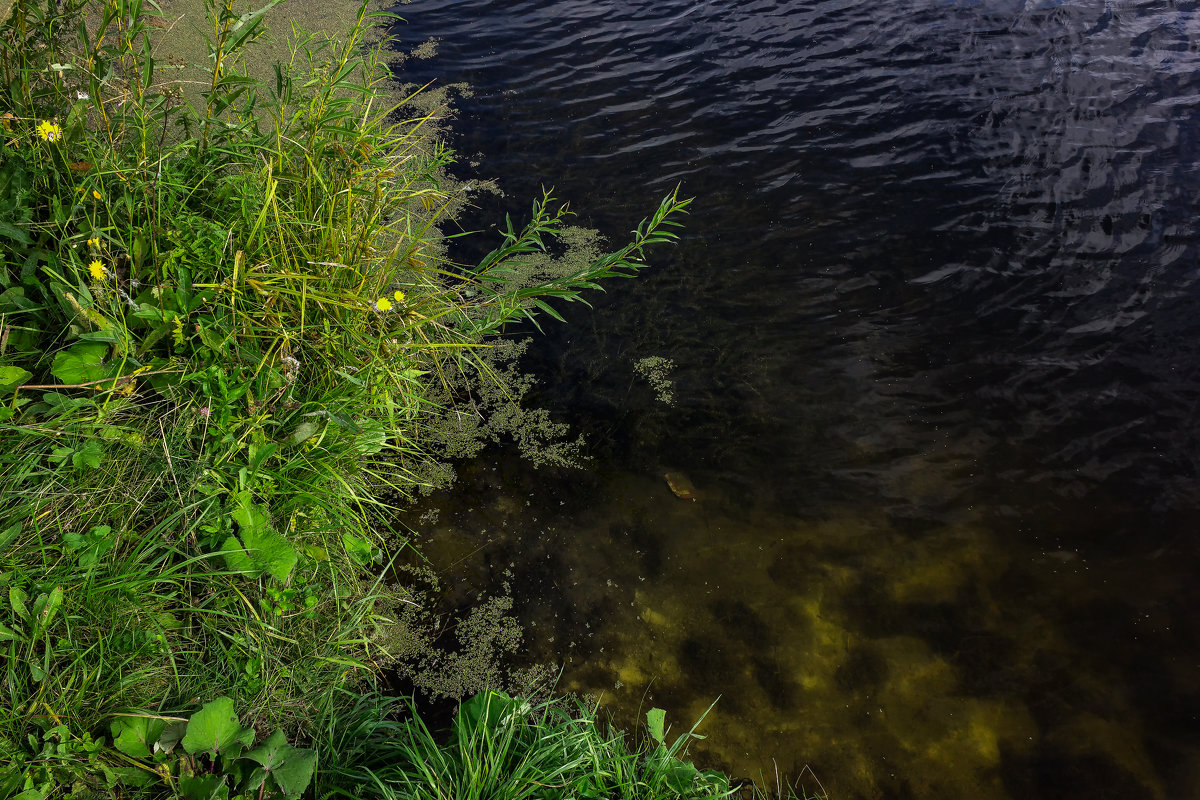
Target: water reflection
{"points": [[936, 356]]}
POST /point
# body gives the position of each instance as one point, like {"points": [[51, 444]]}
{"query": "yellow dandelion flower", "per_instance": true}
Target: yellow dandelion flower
{"points": [[94, 243], [97, 271], [383, 304], [97, 195], [399, 295], [48, 131]]}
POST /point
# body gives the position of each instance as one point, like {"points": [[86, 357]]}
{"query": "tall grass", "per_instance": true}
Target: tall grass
{"points": [[504, 748]]}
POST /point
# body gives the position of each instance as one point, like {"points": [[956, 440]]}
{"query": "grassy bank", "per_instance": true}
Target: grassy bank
{"points": [[229, 337]]}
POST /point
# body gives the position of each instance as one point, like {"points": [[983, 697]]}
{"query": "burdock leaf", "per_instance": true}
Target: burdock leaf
{"points": [[272, 752], [12, 377], [135, 736], [267, 549], [237, 559], [82, 363], [271, 552], [293, 776], [213, 729], [291, 768]]}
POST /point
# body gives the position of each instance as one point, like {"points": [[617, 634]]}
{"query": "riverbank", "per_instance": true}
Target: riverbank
{"points": [[230, 342]]}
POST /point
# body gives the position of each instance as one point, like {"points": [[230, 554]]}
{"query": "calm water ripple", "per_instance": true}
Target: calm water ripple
{"points": [[937, 367]]}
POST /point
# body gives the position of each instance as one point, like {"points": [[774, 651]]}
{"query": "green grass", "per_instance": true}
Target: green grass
{"points": [[228, 332], [499, 747]]}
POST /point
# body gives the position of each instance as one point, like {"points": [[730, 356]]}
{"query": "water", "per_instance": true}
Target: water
{"points": [[936, 346]]}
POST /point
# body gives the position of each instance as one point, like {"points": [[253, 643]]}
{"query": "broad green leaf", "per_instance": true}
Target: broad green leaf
{"points": [[264, 548], [171, 736], [260, 453], [356, 548], [655, 722], [14, 299], [168, 621], [270, 551], [136, 736], [90, 546], [63, 403], [267, 549], [82, 363], [347, 376], [343, 421], [249, 517], [9, 535], [293, 775], [16, 599], [12, 377], [303, 432], [237, 559], [88, 456], [316, 552], [136, 777], [291, 768], [107, 336], [272, 752], [487, 710], [152, 313], [112, 433], [7, 634], [30, 794], [411, 374], [46, 607], [16, 234], [203, 787], [681, 775], [371, 440], [213, 729]]}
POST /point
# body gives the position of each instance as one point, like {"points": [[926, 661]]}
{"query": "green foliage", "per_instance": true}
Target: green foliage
{"points": [[501, 747], [265, 550], [136, 735], [219, 758], [215, 732]]}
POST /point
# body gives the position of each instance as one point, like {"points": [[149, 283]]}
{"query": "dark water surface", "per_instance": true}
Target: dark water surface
{"points": [[935, 325]]}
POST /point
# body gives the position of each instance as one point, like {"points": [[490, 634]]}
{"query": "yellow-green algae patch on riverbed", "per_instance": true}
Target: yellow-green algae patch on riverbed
{"points": [[931, 663], [842, 662]]}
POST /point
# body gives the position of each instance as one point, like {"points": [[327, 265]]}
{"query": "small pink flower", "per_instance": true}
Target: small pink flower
{"points": [[206, 412]]}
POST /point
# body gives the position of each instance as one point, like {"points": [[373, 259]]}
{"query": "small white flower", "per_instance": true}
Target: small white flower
{"points": [[291, 368], [82, 96]]}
